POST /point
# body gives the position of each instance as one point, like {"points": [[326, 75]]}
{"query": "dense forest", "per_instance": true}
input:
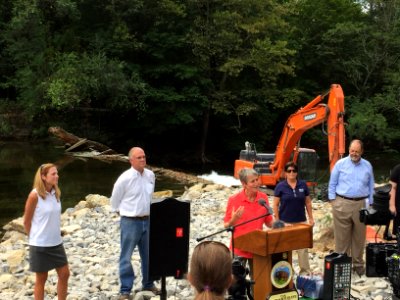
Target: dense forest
{"points": [[195, 79]]}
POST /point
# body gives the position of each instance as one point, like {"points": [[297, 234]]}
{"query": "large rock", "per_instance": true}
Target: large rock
{"points": [[5, 281], [13, 237], [163, 194], [70, 229], [96, 200], [14, 259], [15, 225]]}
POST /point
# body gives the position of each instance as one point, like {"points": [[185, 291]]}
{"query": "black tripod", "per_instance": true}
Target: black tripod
{"points": [[242, 286]]}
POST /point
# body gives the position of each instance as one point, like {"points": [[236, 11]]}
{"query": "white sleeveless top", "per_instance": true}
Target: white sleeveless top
{"points": [[46, 222]]}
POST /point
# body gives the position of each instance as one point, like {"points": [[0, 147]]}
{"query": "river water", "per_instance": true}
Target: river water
{"points": [[78, 177]]}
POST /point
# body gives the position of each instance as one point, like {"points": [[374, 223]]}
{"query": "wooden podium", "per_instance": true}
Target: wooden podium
{"points": [[269, 247]]}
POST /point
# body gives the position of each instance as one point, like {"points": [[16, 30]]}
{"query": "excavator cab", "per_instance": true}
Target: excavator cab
{"points": [[305, 158], [307, 165]]}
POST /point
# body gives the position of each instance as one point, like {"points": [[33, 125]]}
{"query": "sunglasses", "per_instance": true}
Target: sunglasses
{"points": [[291, 171], [206, 243]]}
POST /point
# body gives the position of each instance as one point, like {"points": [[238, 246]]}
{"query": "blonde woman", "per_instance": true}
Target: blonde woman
{"points": [[42, 222]]}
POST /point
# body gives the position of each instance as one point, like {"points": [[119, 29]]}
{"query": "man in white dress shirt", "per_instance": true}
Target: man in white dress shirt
{"points": [[131, 198]]}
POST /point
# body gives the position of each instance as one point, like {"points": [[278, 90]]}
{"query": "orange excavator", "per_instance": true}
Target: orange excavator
{"points": [[271, 166]]}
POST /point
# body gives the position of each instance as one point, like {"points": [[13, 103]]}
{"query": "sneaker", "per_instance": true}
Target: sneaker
{"points": [[156, 291], [124, 297], [304, 272]]}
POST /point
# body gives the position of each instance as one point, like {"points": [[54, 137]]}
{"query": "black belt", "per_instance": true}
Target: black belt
{"points": [[352, 198], [138, 217]]}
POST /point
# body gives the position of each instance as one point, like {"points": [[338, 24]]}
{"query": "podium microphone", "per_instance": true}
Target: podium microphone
{"points": [[276, 224], [262, 202]]}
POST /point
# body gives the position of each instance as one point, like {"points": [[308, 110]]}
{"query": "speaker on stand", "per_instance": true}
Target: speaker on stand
{"points": [[169, 240]]}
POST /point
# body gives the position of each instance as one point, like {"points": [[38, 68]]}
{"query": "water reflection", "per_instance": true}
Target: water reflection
{"points": [[78, 177]]}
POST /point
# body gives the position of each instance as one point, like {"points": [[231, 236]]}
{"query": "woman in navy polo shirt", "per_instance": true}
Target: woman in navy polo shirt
{"points": [[291, 201]]}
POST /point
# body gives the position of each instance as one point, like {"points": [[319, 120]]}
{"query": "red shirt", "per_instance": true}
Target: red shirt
{"points": [[251, 210]]}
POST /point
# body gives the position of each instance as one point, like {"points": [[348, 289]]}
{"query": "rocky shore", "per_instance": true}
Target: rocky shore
{"points": [[91, 240]]}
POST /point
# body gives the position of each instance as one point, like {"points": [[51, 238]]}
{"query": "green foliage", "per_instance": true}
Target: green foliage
{"points": [[223, 71], [311, 22], [5, 127], [356, 44], [367, 122], [243, 54], [92, 81]]}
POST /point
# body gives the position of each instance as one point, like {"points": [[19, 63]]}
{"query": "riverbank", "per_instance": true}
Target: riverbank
{"points": [[91, 239], [78, 176]]}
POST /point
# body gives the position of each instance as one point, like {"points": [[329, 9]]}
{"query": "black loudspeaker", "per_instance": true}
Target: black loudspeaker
{"points": [[376, 256], [169, 238], [337, 276]]}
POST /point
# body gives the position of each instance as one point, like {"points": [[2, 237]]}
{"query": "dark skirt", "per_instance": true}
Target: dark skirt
{"points": [[44, 259]]}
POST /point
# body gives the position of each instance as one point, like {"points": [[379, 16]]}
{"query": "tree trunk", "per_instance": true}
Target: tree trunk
{"points": [[82, 144], [203, 140]]}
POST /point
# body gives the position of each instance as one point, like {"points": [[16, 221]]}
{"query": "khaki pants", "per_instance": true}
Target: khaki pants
{"points": [[348, 230], [302, 256], [304, 264]]}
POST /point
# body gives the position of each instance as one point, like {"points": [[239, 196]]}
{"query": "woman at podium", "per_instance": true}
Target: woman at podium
{"points": [[291, 201], [245, 206]]}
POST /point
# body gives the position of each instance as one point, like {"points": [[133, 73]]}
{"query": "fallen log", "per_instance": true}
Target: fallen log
{"points": [[76, 145], [89, 149], [100, 156], [70, 140], [179, 176]]}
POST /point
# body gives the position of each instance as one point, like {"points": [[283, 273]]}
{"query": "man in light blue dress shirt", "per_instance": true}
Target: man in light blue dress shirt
{"points": [[351, 188]]}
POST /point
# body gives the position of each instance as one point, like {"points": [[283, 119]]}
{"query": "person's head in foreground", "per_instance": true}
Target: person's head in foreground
{"points": [[210, 270]]}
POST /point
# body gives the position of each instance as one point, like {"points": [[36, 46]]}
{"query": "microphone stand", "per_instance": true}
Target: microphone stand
{"points": [[232, 230]]}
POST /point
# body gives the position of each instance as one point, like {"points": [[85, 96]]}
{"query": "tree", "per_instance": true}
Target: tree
{"points": [[317, 50], [368, 55], [240, 51], [356, 44], [63, 62]]}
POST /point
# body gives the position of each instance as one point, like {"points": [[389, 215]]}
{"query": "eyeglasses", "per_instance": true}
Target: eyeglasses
{"points": [[291, 171], [206, 243], [141, 157]]}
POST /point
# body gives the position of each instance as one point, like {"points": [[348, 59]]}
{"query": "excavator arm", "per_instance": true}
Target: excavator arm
{"points": [[309, 116], [335, 125]]}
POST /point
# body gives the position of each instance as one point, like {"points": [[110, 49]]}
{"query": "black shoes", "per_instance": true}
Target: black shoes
{"points": [[155, 290]]}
